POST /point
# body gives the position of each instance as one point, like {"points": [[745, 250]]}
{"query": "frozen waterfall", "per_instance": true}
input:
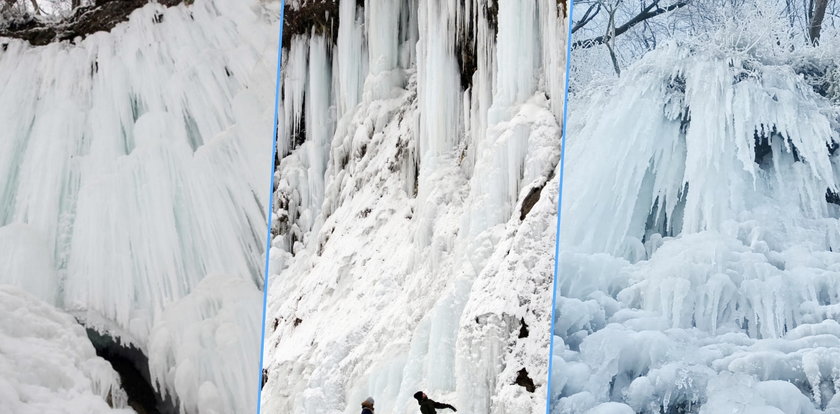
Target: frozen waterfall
{"points": [[132, 193], [415, 208], [699, 265]]}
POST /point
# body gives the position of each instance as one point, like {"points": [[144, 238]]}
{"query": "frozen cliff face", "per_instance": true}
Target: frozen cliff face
{"points": [[415, 207], [134, 163], [699, 269]]}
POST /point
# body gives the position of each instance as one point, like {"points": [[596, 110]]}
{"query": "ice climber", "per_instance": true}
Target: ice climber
{"points": [[367, 406], [427, 405]]}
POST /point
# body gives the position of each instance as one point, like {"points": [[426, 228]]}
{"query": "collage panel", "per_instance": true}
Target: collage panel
{"points": [[413, 231], [135, 154], [698, 267]]}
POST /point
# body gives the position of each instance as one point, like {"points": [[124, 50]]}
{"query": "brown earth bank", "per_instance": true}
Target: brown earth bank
{"points": [[103, 15]]}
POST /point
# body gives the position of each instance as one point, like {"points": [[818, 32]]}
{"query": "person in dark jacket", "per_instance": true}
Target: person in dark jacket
{"points": [[427, 405], [367, 406]]}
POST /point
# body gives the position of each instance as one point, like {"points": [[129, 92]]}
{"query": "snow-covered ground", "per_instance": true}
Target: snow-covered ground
{"points": [[134, 164], [402, 261], [48, 363], [699, 269]]}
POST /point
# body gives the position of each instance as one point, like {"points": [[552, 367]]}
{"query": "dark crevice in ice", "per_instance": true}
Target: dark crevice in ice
{"points": [[523, 329], [529, 201], [132, 365], [523, 380], [832, 197]]}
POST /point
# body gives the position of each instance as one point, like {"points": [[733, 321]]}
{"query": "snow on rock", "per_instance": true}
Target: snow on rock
{"points": [[699, 269], [134, 163], [48, 365], [416, 209]]}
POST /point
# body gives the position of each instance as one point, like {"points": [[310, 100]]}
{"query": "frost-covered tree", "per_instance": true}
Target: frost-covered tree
{"points": [[45, 8], [608, 19], [617, 33]]}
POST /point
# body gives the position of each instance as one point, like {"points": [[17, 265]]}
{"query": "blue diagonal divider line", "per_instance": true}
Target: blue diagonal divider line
{"points": [[270, 201], [559, 205]]}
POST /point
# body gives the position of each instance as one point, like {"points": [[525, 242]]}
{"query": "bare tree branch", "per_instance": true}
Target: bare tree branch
{"points": [[595, 8], [652, 10]]}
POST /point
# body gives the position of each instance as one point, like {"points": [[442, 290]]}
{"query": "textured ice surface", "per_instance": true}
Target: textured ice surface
{"points": [[134, 163], [401, 261], [699, 269], [48, 363], [198, 347]]}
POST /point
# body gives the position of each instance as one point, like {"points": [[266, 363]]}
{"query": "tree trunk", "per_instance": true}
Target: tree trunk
{"points": [[816, 21], [610, 43]]}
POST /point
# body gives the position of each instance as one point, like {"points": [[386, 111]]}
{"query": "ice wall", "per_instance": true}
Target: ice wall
{"points": [[131, 164], [425, 263], [698, 268]]}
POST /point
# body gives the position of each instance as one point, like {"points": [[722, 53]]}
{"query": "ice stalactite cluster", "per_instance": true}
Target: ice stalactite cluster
{"points": [[416, 202], [207, 336], [131, 164], [699, 265]]}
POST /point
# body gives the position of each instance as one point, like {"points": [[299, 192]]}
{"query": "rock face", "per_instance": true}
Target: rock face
{"points": [[320, 16], [85, 20]]}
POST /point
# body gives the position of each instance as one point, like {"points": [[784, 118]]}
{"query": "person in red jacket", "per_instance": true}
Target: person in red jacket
{"points": [[428, 406]]}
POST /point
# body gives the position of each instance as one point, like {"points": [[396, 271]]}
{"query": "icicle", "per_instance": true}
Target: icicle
{"points": [[294, 85], [518, 58], [319, 127], [439, 92], [480, 94], [382, 19], [350, 58], [553, 30]]}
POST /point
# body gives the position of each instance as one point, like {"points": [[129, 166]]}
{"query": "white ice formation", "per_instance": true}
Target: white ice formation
{"points": [[416, 207], [699, 268], [48, 363], [134, 163]]}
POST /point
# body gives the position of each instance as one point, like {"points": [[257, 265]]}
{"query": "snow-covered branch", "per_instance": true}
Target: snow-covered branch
{"points": [[650, 11]]}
